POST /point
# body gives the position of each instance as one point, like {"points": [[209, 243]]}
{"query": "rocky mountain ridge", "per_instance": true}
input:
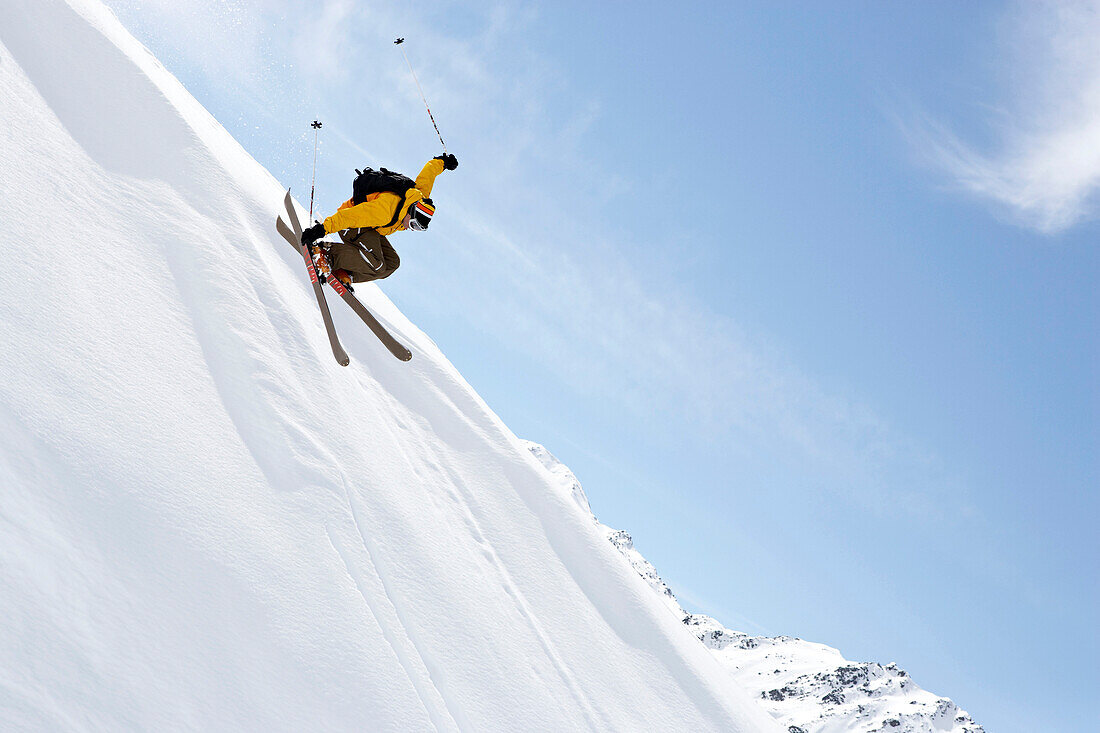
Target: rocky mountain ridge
{"points": [[807, 687]]}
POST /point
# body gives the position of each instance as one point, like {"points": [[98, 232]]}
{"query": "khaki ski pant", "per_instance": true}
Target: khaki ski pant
{"points": [[380, 260]]}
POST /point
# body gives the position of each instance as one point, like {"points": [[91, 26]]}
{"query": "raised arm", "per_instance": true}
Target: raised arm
{"points": [[428, 173]]}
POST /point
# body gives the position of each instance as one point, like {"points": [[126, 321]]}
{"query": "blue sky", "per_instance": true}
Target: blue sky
{"points": [[804, 294]]}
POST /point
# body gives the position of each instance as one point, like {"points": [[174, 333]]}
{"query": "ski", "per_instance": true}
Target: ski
{"points": [[393, 345], [295, 238]]}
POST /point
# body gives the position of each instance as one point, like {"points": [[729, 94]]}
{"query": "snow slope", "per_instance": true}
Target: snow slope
{"points": [[205, 523], [809, 688]]}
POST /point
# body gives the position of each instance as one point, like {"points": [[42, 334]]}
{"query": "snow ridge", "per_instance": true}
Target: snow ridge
{"points": [[807, 687]]}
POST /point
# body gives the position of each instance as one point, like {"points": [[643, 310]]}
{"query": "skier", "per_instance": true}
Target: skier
{"points": [[365, 253]]}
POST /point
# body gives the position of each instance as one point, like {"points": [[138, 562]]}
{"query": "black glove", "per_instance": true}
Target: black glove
{"points": [[311, 235], [450, 162]]}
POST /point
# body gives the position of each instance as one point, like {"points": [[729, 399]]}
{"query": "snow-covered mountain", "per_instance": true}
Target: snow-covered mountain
{"points": [[205, 523], [809, 688]]}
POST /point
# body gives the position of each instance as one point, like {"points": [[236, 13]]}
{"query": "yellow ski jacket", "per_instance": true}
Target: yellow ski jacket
{"points": [[377, 211]]}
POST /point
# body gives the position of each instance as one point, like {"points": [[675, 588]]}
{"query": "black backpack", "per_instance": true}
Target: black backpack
{"points": [[368, 181]]}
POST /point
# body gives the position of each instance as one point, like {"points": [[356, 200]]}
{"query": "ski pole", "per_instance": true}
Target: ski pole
{"points": [[316, 127], [398, 42]]}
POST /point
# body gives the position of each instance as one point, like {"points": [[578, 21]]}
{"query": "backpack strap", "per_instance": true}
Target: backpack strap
{"points": [[397, 211]]}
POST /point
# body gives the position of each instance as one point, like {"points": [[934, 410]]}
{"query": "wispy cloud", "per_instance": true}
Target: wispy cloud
{"points": [[1044, 168]]}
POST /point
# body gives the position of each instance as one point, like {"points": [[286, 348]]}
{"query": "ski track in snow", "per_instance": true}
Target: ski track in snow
{"points": [[435, 703], [451, 482], [521, 604]]}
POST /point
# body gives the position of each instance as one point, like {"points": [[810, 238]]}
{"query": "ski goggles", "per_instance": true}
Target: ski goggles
{"points": [[420, 215]]}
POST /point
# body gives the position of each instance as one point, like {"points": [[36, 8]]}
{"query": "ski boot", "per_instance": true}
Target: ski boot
{"points": [[322, 260], [344, 277]]}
